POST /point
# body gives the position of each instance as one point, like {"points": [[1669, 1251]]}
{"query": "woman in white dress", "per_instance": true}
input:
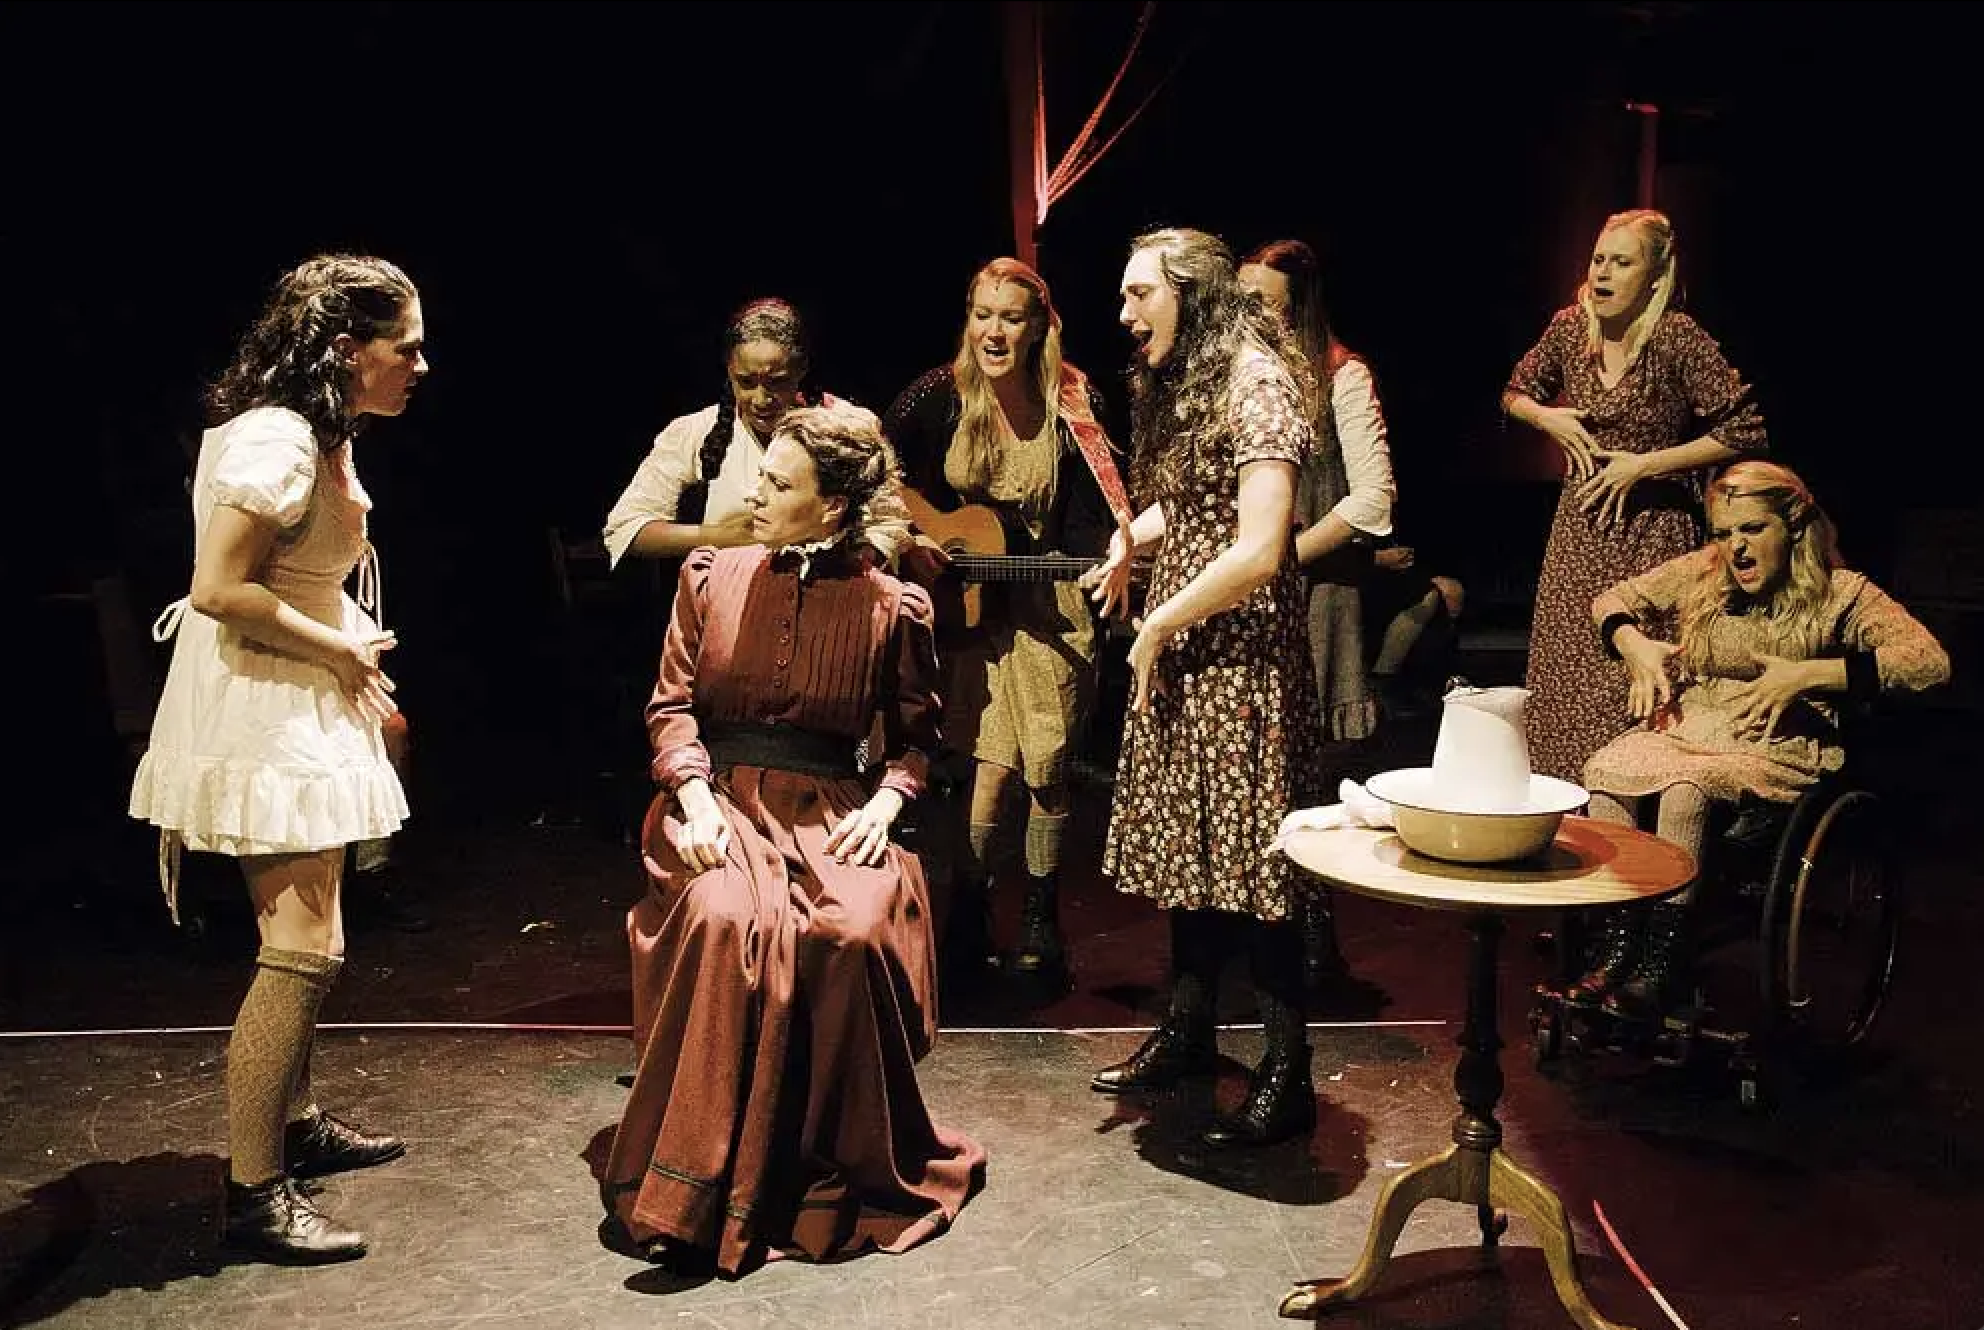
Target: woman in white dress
{"points": [[266, 744]]}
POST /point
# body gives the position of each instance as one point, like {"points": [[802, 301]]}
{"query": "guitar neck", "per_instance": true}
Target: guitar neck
{"points": [[1018, 567]]}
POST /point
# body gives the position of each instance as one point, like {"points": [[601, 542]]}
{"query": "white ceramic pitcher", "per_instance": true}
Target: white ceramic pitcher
{"points": [[1481, 758]]}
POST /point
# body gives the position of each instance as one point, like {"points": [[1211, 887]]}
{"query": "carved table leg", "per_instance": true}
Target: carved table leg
{"points": [[1473, 1170], [1512, 1187], [1438, 1178]]}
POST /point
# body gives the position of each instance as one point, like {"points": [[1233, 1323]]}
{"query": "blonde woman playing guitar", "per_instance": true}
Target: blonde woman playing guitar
{"points": [[1005, 460]]}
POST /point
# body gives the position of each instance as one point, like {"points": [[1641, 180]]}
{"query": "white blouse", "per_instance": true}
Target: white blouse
{"points": [[1367, 457], [671, 466]]}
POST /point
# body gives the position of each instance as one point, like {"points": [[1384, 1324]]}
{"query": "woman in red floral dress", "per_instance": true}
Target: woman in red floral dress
{"points": [[1644, 406]]}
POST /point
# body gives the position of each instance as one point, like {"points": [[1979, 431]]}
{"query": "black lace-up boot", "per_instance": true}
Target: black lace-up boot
{"points": [[1665, 976], [1614, 953], [274, 1221], [1041, 951], [321, 1144]]}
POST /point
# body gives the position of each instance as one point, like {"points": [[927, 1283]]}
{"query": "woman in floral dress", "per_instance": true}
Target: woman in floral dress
{"points": [[1643, 406], [1740, 655], [1225, 734]]}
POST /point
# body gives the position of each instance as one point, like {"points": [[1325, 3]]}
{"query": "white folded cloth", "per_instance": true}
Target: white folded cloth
{"points": [[1358, 808]]}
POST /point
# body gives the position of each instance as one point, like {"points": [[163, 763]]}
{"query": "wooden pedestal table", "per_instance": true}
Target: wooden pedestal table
{"points": [[1589, 864]]}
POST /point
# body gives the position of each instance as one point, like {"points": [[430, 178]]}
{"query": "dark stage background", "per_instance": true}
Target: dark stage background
{"points": [[583, 192]]}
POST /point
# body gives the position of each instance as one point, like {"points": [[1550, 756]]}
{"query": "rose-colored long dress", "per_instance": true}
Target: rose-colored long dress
{"points": [[1698, 742], [782, 1001], [1679, 389]]}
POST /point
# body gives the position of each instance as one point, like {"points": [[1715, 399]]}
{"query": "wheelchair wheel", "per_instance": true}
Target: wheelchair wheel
{"points": [[1831, 921]]}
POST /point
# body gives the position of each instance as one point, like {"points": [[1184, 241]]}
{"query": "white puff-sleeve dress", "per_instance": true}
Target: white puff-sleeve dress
{"points": [[254, 750]]}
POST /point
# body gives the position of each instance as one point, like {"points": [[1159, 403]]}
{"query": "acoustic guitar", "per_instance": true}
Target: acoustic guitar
{"points": [[975, 539]]}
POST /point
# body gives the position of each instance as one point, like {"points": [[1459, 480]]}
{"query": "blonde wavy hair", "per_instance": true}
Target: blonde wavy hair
{"points": [[1794, 609], [978, 432], [1656, 237]]}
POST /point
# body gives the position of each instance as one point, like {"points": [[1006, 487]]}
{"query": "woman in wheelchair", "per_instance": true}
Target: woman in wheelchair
{"points": [[1741, 655]]}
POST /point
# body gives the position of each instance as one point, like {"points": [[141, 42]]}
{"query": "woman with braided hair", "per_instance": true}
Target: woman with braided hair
{"points": [[694, 487], [266, 744]]}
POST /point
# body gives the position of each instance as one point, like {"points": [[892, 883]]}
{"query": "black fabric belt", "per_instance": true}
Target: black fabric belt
{"points": [[779, 748]]}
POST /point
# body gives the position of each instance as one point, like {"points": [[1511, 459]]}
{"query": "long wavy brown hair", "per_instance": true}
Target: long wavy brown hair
{"points": [[289, 357], [1795, 608], [1179, 410]]}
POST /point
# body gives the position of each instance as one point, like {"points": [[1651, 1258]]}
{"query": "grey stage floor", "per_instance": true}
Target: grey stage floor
{"points": [[1857, 1203], [1093, 1215]]}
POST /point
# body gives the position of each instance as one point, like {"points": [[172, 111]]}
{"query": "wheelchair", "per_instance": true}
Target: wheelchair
{"points": [[1809, 891]]}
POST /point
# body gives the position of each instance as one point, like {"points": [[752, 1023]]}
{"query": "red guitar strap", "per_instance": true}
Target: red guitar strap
{"points": [[1093, 440]]}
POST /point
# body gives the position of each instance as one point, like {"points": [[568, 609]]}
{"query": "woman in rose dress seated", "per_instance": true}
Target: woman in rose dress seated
{"points": [[783, 956], [1741, 654]]}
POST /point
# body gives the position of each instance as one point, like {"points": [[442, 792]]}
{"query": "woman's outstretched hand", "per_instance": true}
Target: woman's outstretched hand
{"points": [[1565, 426], [1108, 583]]}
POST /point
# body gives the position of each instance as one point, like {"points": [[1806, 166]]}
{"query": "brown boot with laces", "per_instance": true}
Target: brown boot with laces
{"points": [[274, 1221]]}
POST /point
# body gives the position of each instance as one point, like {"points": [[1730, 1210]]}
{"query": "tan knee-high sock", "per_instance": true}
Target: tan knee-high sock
{"points": [[979, 837], [271, 1041], [1043, 843], [301, 1100]]}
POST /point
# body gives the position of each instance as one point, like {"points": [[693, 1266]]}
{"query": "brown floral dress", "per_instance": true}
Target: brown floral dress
{"points": [[1235, 739], [1679, 389]]}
